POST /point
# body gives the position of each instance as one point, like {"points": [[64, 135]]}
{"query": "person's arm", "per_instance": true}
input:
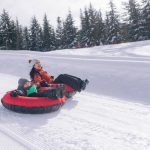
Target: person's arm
{"points": [[37, 78], [44, 84], [15, 93], [47, 77], [39, 82]]}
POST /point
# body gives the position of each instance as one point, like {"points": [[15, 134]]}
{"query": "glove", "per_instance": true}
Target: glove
{"points": [[14, 93], [44, 84]]}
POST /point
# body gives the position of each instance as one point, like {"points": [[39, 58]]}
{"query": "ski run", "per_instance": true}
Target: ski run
{"points": [[113, 113]]}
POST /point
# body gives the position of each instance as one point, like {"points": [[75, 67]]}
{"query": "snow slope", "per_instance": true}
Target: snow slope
{"points": [[113, 113]]}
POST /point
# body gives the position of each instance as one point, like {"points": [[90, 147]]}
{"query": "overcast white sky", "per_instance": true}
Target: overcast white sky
{"points": [[24, 10]]}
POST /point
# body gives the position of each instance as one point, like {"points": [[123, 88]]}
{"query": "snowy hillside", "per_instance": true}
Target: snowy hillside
{"points": [[112, 113]]}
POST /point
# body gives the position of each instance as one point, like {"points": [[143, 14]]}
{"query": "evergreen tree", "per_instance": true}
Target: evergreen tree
{"points": [[46, 34], [19, 35], [85, 29], [92, 28], [106, 29], [146, 20], [124, 31], [26, 39], [36, 40], [135, 30], [69, 32], [13, 36], [53, 39], [113, 25], [59, 34], [98, 29], [5, 31], [92, 25]]}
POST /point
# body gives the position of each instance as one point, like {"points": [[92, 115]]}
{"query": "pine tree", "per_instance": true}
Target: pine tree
{"points": [[98, 29], [46, 34], [26, 39], [113, 25], [92, 25], [13, 35], [36, 40], [19, 34], [59, 34], [85, 29], [92, 28], [69, 32], [146, 20], [135, 30], [5, 31], [106, 29], [53, 39]]}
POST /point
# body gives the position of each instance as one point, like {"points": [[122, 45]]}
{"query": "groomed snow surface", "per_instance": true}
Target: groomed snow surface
{"points": [[113, 113]]}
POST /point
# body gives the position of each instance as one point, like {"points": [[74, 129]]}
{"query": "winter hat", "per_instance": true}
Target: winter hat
{"points": [[21, 83], [32, 62]]}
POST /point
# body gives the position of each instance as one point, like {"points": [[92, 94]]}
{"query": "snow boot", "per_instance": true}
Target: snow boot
{"points": [[57, 92], [84, 83], [60, 90]]}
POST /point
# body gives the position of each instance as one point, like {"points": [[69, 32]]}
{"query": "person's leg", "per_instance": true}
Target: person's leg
{"points": [[82, 83], [59, 79], [73, 76], [74, 82], [53, 93]]}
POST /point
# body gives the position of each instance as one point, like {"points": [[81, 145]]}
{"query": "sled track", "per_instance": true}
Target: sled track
{"points": [[101, 122], [115, 127], [17, 139]]}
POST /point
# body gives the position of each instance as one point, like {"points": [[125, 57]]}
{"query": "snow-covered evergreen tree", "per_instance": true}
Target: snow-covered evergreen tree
{"points": [[146, 20], [19, 36], [6, 30], [59, 34], [134, 19], [69, 32], [26, 39], [106, 29], [113, 25], [46, 33], [13, 36], [36, 39], [99, 29], [92, 25], [53, 39], [85, 29]]}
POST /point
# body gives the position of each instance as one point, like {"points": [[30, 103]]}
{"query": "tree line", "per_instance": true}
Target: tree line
{"points": [[95, 29]]}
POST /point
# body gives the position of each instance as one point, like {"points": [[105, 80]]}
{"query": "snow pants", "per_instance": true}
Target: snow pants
{"points": [[72, 81]]}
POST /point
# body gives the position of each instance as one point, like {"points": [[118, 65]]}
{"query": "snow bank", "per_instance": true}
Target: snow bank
{"points": [[135, 49]]}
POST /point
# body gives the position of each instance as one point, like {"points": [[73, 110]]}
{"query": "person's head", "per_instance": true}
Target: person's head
{"points": [[36, 67], [35, 64], [23, 83], [27, 84]]}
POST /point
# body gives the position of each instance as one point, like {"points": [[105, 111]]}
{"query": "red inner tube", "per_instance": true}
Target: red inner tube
{"points": [[35, 101], [31, 101]]}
